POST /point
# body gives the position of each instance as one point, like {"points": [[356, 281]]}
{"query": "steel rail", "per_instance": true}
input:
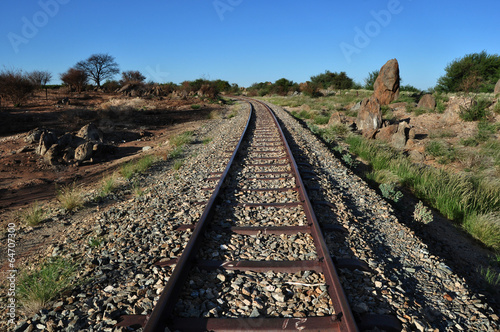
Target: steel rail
{"points": [[165, 305], [335, 290]]}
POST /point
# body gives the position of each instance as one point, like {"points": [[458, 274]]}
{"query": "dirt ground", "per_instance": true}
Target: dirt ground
{"points": [[128, 124]]}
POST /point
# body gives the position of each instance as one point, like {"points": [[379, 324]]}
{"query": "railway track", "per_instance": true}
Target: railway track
{"points": [[221, 282]]}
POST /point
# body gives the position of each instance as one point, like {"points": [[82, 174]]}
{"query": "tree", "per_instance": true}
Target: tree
{"points": [[15, 86], [283, 86], [333, 80], [40, 78], [478, 71], [76, 79], [370, 80], [99, 67], [132, 77]]}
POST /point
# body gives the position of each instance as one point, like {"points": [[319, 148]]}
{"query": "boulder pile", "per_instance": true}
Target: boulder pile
{"points": [[68, 149]]}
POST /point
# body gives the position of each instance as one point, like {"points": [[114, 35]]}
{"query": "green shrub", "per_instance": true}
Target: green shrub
{"points": [[422, 213], [34, 214], [389, 191], [476, 71], [196, 106], [475, 111], [37, 288], [349, 160], [70, 197]]}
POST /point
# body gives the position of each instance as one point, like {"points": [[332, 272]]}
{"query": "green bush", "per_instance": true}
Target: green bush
{"points": [[422, 213], [475, 111], [333, 80], [389, 191], [476, 71]]}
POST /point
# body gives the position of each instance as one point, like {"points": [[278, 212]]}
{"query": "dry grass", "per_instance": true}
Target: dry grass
{"points": [[70, 197]]}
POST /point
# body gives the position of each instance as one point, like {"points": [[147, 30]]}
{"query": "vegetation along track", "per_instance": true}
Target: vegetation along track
{"points": [[257, 259]]}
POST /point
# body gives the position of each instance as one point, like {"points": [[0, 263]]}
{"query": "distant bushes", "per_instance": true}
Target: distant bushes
{"points": [[15, 86], [476, 72]]}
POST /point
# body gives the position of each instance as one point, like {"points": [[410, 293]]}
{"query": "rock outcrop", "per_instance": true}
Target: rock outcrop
{"points": [[386, 85], [369, 115], [68, 148]]}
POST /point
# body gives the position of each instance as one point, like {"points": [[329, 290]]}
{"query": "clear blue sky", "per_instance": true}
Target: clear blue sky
{"points": [[248, 41]]}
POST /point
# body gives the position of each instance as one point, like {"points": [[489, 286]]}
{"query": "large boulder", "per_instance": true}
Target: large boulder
{"points": [[386, 85], [427, 101], [369, 115], [497, 87], [91, 133]]}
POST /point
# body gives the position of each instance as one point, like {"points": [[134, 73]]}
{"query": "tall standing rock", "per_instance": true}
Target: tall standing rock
{"points": [[387, 83], [369, 115]]}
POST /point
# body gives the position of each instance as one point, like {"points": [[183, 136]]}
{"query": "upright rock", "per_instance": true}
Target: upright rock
{"points": [[369, 115], [386, 85], [497, 87], [400, 137], [427, 101], [47, 138]]}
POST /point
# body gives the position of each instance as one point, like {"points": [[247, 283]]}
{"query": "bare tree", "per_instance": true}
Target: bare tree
{"points": [[132, 77], [15, 86], [99, 67], [40, 78], [75, 79]]}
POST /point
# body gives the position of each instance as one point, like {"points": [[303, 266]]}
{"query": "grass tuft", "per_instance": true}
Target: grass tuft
{"points": [[70, 197], [485, 227], [137, 167], [178, 164], [34, 214], [182, 139], [37, 288]]}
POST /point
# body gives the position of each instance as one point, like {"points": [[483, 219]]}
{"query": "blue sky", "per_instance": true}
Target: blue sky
{"points": [[248, 41]]}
